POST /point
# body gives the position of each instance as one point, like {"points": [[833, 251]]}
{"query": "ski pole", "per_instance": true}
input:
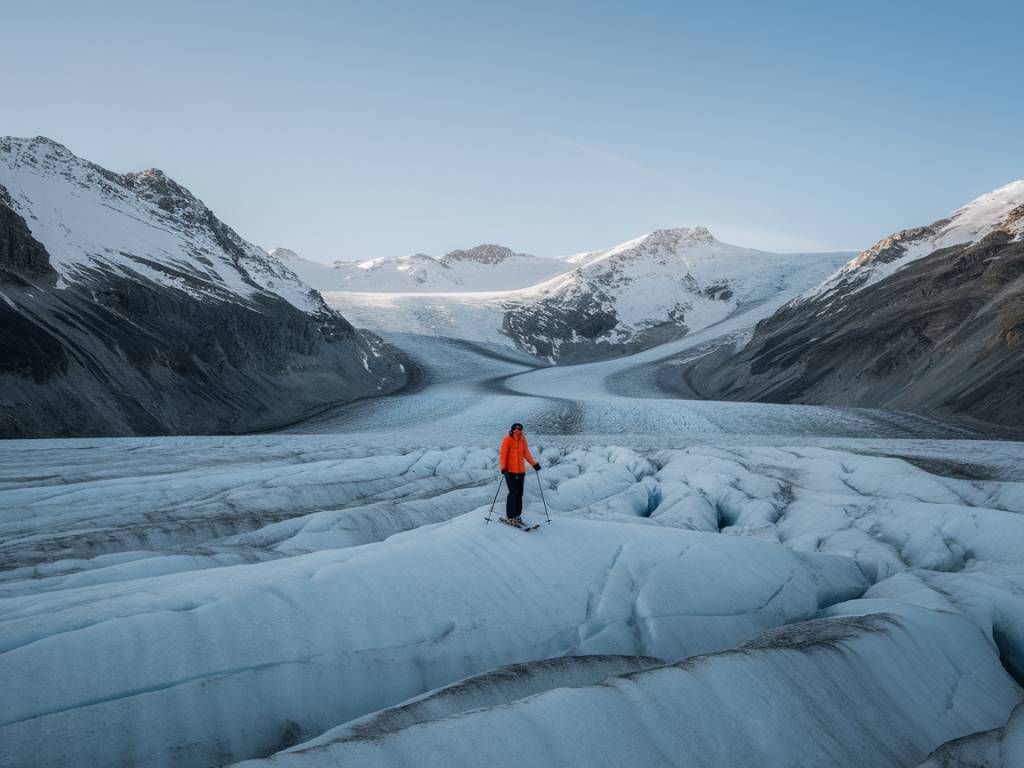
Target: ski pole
{"points": [[496, 491], [539, 485]]}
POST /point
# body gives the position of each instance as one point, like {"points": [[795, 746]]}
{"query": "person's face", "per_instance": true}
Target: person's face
{"points": [[517, 431]]}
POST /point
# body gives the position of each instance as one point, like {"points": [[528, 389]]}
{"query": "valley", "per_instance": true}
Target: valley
{"points": [[325, 583]]}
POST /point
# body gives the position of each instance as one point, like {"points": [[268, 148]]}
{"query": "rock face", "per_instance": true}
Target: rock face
{"points": [[930, 320], [21, 255], [128, 308], [485, 253]]}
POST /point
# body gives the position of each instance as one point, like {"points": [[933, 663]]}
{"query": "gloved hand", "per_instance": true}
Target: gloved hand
{"points": [[536, 467], [504, 472]]}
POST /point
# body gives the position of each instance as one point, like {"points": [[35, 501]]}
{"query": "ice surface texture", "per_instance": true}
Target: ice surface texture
{"points": [[343, 580]]}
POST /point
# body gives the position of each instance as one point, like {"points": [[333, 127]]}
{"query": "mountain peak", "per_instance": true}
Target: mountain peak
{"points": [[160, 189], [1000, 208], [1015, 189], [36, 142], [36, 150], [485, 253], [660, 244], [158, 183], [682, 236]]}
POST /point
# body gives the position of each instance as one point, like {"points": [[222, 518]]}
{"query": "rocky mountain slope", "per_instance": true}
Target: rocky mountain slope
{"points": [[482, 268], [129, 308], [929, 320]]}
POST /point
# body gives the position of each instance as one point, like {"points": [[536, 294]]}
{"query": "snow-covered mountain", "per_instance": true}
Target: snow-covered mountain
{"points": [[610, 302], [646, 291], [90, 219], [482, 268], [929, 320], [130, 308], [999, 211]]}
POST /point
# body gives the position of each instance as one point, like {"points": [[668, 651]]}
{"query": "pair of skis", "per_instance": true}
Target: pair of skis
{"points": [[520, 525], [517, 523]]}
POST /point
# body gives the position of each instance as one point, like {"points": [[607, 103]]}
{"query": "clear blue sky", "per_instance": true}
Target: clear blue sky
{"points": [[354, 130]]}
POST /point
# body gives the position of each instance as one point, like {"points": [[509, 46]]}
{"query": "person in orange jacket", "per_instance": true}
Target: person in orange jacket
{"points": [[513, 451]]}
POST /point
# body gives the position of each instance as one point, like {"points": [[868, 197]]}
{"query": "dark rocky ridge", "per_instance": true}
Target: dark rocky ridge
{"points": [[578, 326], [942, 337], [567, 328], [486, 253], [21, 255], [113, 353]]}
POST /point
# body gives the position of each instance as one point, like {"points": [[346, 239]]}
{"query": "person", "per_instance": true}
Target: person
{"points": [[514, 450]]}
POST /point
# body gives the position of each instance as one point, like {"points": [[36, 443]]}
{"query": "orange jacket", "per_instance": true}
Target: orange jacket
{"points": [[513, 449]]}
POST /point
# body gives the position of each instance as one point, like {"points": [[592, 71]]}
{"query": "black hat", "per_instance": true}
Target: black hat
{"points": [[513, 428]]}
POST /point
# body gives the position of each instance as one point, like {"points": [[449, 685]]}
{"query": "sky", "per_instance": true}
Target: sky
{"points": [[352, 130]]}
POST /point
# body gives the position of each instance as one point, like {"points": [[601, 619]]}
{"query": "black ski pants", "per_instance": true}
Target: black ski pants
{"points": [[514, 502]]}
